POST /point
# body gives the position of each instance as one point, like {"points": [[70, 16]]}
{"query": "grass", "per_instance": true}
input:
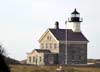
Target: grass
{"points": [[24, 68]]}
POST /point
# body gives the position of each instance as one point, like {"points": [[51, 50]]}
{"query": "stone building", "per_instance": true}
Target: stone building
{"points": [[61, 46]]}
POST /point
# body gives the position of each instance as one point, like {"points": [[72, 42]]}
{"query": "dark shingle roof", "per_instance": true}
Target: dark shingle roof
{"points": [[68, 34], [42, 50]]}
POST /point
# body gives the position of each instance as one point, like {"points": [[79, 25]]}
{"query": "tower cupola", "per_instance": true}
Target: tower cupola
{"points": [[75, 17], [74, 21]]}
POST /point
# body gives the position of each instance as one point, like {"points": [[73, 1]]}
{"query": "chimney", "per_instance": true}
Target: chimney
{"points": [[56, 25]]}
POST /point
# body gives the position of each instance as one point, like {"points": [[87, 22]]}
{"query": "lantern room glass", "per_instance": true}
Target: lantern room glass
{"points": [[75, 15]]}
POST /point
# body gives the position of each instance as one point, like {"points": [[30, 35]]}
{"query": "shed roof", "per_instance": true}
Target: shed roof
{"points": [[42, 50]]}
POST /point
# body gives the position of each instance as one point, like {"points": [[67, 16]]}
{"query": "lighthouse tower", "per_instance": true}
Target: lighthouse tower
{"points": [[74, 21]]}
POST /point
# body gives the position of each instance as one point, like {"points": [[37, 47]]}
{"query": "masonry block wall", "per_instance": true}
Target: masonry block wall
{"points": [[76, 53]]}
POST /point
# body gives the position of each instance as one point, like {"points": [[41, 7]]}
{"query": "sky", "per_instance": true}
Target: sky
{"points": [[22, 22]]}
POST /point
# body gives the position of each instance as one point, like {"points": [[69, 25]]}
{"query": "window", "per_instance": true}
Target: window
{"points": [[72, 57], [55, 45], [29, 59], [50, 45], [42, 45], [46, 46], [49, 38], [33, 59], [81, 51], [73, 51], [40, 58], [80, 57]]}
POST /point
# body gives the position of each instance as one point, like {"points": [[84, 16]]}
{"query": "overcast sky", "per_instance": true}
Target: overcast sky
{"points": [[23, 21]]}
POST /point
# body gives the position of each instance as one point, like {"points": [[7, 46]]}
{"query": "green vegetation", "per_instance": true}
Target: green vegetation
{"points": [[24, 68]]}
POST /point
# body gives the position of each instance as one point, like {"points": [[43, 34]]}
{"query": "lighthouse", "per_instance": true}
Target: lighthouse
{"points": [[74, 21], [60, 46]]}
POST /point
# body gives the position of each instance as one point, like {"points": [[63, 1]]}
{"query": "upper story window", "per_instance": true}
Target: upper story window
{"points": [[49, 38], [55, 45], [80, 57], [46, 46], [73, 51], [50, 45], [73, 57], [42, 45]]}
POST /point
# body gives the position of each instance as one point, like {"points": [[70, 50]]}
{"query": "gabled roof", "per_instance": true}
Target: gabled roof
{"points": [[42, 50], [68, 35], [60, 34], [47, 31]]}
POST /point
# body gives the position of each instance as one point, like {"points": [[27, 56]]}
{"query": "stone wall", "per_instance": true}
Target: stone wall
{"points": [[51, 58], [76, 53], [62, 53], [72, 53]]}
